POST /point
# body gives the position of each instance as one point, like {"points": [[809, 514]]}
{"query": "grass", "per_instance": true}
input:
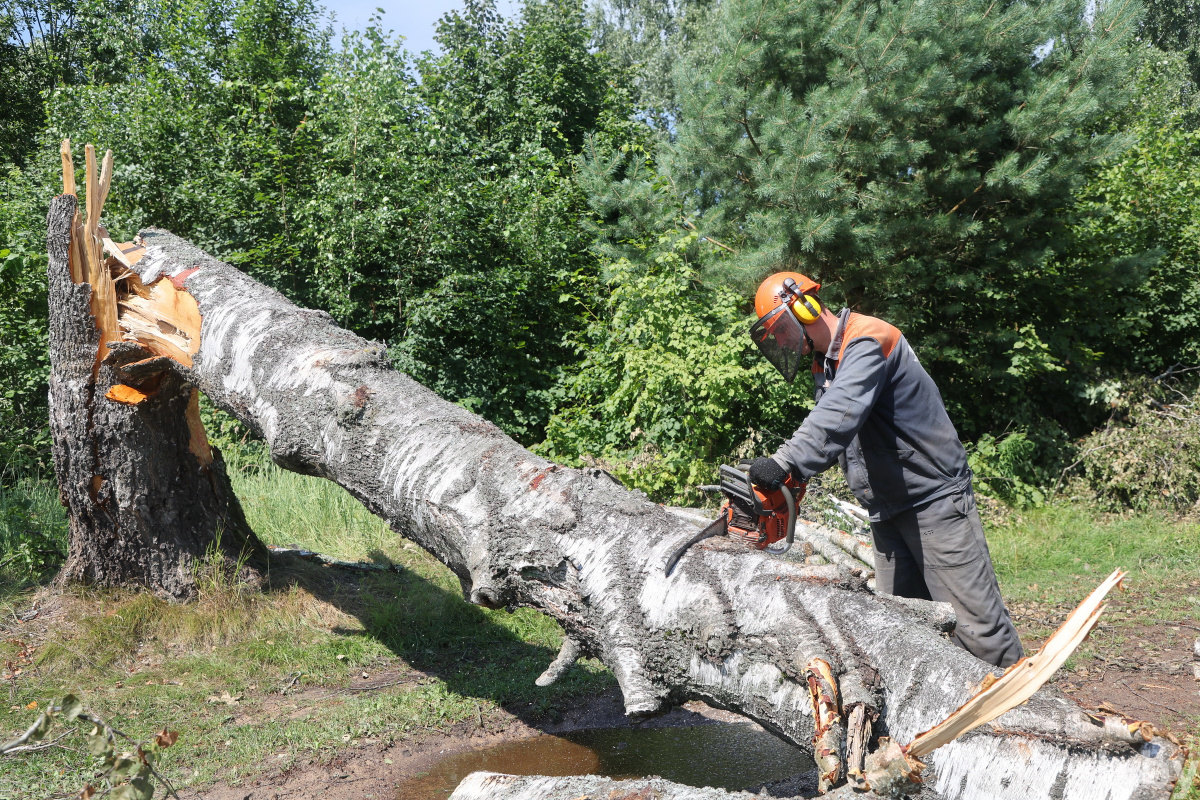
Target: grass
{"points": [[1048, 559], [213, 669], [33, 529], [1054, 553]]}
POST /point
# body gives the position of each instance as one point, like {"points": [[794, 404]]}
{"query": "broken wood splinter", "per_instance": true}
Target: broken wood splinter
{"points": [[125, 394]]}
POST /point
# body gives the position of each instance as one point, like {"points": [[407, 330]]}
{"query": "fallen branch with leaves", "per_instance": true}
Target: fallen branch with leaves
{"points": [[126, 776]]}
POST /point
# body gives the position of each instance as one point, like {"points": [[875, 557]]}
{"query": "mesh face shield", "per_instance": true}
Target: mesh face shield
{"points": [[780, 337]]}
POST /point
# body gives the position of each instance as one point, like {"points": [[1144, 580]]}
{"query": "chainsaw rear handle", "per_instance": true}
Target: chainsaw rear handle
{"points": [[790, 500]]}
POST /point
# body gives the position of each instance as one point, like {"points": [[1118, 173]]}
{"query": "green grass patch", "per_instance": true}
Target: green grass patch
{"points": [[1061, 552], [33, 531], [214, 669]]}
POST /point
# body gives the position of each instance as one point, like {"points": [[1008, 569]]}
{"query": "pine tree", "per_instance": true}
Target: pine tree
{"points": [[915, 156]]}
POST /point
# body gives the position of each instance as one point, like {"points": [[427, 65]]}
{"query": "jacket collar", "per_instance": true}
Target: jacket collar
{"points": [[835, 344]]}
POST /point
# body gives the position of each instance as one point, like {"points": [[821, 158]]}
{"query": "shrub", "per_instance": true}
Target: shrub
{"points": [[669, 385], [1018, 468], [1148, 455]]}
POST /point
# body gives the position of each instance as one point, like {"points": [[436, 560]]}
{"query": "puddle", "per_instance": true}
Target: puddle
{"points": [[732, 756]]}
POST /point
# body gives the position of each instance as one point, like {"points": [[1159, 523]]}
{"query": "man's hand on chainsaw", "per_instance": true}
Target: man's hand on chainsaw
{"points": [[767, 474]]}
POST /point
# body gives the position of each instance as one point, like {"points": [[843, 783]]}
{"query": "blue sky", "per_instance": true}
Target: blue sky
{"points": [[413, 19]]}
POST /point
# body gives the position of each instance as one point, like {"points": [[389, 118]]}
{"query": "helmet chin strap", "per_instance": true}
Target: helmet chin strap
{"points": [[812, 348]]}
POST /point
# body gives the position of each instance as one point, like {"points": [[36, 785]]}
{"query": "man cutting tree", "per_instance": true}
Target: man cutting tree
{"points": [[881, 417]]}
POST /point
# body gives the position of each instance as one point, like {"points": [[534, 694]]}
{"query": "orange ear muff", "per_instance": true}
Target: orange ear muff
{"points": [[807, 309]]}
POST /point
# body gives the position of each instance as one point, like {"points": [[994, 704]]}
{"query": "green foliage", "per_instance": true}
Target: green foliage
{"points": [[667, 387], [645, 39], [120, 777], [1174, 26], [1018, 468], [24, 360], [1148, 456], [914, 158], [33, 529], [1148, 202], [446, 210]]}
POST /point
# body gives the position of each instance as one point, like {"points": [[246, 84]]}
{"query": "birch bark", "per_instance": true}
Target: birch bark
{"points": [[731, 626]]}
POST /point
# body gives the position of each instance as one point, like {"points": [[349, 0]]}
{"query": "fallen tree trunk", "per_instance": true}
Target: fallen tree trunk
{"points": [[494, 786], [731, 626]]}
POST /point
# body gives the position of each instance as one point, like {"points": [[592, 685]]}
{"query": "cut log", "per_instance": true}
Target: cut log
{"points": [[494, 786], [148, 500], [731, 626]]}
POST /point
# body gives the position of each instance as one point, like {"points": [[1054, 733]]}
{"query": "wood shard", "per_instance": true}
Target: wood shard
{"points": [[197, 438], [163, 319], [68, 165], [125, 394], [128, 253], [1022, 679]]}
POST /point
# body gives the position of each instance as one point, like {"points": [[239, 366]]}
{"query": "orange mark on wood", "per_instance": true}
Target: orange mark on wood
{"points": [[541, 476], [197, 438], [125, 394]]}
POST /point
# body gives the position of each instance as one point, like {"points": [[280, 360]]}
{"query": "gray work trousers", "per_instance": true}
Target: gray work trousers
{"points": [[937, 551]]}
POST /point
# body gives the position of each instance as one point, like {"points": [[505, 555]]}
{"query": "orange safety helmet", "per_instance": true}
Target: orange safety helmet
{"points": [[769, 291], [785, 302]]}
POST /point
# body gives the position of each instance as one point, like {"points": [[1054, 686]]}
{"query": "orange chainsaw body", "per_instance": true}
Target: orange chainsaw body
{"points": [[761, 530]]}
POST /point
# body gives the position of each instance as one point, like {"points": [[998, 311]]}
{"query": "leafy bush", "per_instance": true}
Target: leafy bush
{"points": [[915, 157], [668, 385], [1148, 456], [1144, 208], [24, 360], [1018, 468]]}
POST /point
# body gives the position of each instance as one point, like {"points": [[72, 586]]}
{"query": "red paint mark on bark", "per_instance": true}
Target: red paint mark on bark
{"points": [[177, 280], [541, 476]]}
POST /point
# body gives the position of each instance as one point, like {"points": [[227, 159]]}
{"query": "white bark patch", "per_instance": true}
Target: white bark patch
{"points": [[752, 682], [976, 767], [666, 601]]}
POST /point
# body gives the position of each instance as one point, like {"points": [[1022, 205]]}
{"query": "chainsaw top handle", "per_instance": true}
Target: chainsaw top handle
{"points": [[790, 499]]}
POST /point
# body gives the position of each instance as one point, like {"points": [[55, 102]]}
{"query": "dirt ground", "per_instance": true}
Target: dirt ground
{"points": [[1144, 671], [376, 771], [1138, 670]]}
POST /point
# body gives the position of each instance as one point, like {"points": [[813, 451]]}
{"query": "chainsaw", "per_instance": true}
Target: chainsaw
{"points": [[760, 519]]}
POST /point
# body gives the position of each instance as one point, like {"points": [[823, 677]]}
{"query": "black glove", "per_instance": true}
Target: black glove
{"points": [[767, 474]]}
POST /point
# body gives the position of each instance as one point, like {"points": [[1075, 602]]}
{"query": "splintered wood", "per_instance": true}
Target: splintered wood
{"points": [[86, 264], [1022, 679], [161, 317]]}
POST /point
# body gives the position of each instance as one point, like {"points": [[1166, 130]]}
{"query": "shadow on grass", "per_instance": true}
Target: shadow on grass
{"points": [[492, 655]]}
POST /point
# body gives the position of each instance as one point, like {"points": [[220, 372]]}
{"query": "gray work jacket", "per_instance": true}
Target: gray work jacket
{"points": [[881, 417]]}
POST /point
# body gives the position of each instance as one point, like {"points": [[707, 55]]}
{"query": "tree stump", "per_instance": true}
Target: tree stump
{"points": [[149, 502]]}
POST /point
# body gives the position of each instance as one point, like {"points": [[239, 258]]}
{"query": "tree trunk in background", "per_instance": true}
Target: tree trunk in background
{"points": [[147, 498], [731, 626]]}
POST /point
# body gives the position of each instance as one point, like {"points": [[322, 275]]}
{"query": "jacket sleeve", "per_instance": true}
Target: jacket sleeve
{"points": [[840, 412]]}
